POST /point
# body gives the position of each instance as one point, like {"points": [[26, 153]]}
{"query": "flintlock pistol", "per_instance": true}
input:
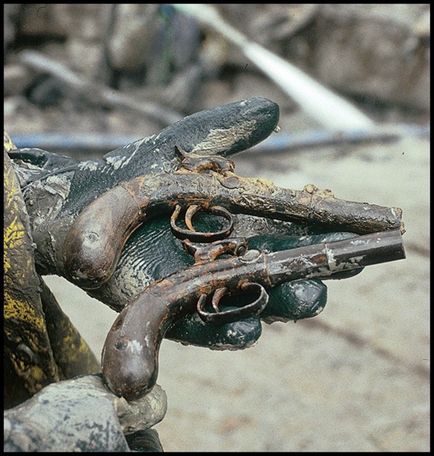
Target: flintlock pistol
{"points": [[92, 247], [130, 353]]}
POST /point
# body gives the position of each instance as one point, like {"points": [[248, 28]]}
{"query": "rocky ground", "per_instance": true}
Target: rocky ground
{"points": [[355, 378]]}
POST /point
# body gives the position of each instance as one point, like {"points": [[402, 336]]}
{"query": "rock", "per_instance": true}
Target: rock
{"points": [[375, 52], [130, 43], [63, 20], [11, 12], [83, 57], [82, 20], [40, 20], [422, 27], [372, 51], [16, 79]]}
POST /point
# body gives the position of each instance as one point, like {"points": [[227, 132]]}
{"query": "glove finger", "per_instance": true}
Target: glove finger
{"points": [[228, 129], [290, 301], [229, 336], [147, 441], [224, 130], [295, 300]]}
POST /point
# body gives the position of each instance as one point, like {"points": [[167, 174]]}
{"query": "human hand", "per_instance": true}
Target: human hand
{"points": [[82, 415], [55, 200]]}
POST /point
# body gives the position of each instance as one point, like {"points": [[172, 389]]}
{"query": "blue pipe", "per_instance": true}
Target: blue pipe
{"points": [[279, 142]]}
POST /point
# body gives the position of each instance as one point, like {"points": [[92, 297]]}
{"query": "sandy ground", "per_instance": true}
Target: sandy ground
{"points": [[355, 378]]}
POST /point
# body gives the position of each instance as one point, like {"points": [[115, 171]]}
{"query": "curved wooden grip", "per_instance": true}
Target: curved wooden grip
{"points": [[94, 242], [129, 358]]}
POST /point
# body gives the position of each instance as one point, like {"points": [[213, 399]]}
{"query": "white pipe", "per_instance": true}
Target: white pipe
{"points": [[329, 109]]}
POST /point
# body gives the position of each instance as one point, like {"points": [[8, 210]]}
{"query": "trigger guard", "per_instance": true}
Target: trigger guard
{"points": [[197, 236], [229, 316]]}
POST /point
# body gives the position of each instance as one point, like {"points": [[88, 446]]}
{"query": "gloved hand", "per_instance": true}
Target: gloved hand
{"points": [[57, 189], [82, 415]]}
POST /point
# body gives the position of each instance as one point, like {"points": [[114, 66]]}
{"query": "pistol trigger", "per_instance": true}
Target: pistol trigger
{"points": [[189, 215], [200, 307], [217, 297]]}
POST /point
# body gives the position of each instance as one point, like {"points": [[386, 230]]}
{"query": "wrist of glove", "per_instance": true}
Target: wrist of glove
{"points": [[82, 415]]}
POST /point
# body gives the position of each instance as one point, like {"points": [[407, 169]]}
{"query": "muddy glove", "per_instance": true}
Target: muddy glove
{"points": [[82, 415], [57, 189]]}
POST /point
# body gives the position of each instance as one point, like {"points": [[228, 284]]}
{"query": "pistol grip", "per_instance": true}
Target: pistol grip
{"points": [[130, 354], [95, 240]]}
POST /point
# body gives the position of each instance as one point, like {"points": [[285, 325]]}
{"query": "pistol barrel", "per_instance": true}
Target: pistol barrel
{"points": [[326, 259], [366, 250]]}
